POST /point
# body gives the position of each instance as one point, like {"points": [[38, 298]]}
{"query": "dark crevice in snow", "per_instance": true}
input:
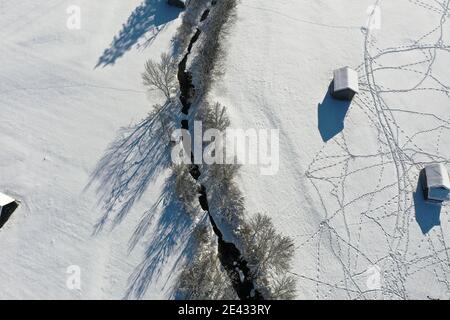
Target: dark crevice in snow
{"points": [[177, 3], [205, 15], [185, 77], [229, 255]]}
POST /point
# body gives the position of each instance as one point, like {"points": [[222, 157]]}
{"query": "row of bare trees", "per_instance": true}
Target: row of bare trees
{"points": [[268, 253], [270, 256], [161, 75], [204, 278], [189, 22]]}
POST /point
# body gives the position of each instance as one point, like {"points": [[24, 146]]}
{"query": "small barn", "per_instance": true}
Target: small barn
{"points": [[436, 183], [345, 84], [7, 206]]}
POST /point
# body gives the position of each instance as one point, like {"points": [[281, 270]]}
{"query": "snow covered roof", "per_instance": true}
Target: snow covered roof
{"points": [[4, 199], [346, 78], [437, 176]]}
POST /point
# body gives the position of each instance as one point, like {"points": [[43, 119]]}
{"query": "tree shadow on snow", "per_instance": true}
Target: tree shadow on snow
{"points": [[427, 214], [148, 19], [6, 212], [137, 156], [130, 163], [331, 114], [173, 227]]}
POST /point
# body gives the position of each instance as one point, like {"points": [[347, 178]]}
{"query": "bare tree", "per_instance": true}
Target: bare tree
{"points": [[224, 173], [204, 278], [186, 188], [189, 22], [211, 61], [270, 255], [269, 250], [226, 198], [161, 75], [283, 288], [214, 116]]}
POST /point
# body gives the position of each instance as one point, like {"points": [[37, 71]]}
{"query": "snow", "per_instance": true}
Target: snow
{"points": [[437, 176], [60, 113], [4, 199], [347, 189]]}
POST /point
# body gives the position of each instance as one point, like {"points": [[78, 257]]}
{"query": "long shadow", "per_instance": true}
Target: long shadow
{"points": [[6, 212], [427, 214], [130, 163], [331, 114], [173, 227], [148, 19]]}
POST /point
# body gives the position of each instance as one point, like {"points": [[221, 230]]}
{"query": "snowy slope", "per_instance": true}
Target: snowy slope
{"points": [[346, 187], [59, 114]]}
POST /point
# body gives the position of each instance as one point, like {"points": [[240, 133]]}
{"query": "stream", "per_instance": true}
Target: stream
{"points": [[229, 255]]}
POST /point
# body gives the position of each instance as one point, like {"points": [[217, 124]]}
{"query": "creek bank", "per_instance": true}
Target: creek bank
{"points": [[229, 255]]}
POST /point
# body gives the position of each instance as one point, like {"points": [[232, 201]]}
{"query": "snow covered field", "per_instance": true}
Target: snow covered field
{"points": [[346, 186], [59, 115]]}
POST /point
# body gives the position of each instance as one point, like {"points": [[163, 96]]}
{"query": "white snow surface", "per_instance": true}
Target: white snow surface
{"points": [[346, 187], [437, 176], [4, 199], [59, 114]]}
